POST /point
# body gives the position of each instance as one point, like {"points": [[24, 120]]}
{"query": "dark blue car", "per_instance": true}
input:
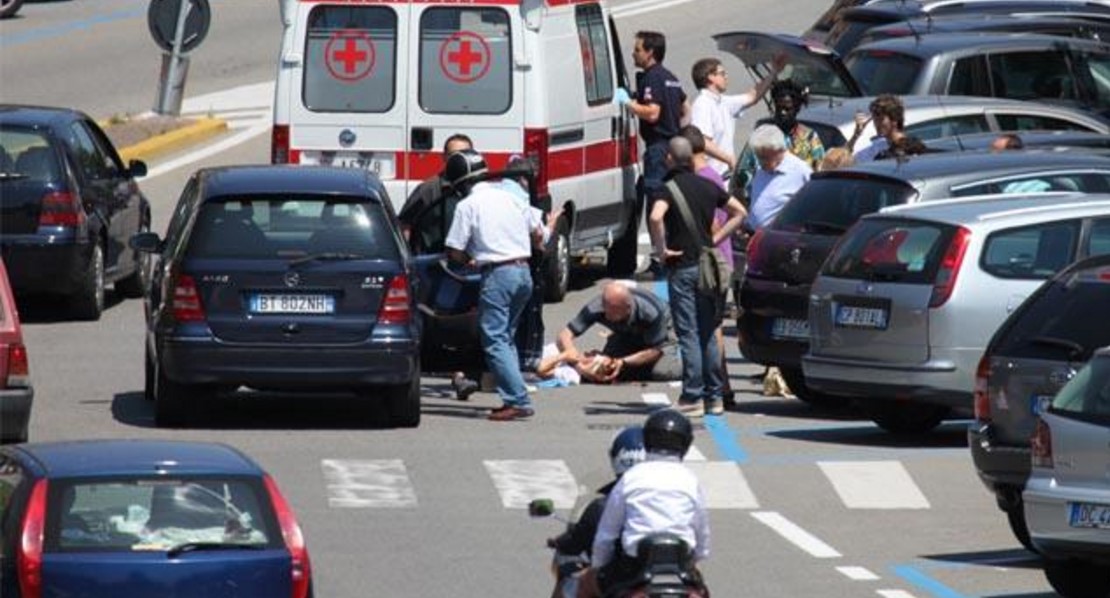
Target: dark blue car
{"points": [[282, 278], [68, 206], [115, 518]]}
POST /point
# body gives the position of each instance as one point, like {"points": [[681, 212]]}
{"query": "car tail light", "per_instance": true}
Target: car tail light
{"points": [[950, 267], [19, 375], [536, 144], [279, 147], [61, 208], [186, 300], [755, 252], [1041, 445], [294, 540], [982, 390], [29, 556], [396, 307]]}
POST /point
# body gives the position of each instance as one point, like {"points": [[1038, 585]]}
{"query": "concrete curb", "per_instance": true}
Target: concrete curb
{"points": [[173, 140]]}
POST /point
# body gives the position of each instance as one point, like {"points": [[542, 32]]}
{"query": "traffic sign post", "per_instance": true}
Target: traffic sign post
{"points": [[190, 21]]}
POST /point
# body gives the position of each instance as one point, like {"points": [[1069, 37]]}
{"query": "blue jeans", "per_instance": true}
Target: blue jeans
{"points": [[504, 295], [696, 318]]}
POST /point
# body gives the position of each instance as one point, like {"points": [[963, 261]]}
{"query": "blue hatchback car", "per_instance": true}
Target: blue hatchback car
{"points": [[114, 518], [282, 278]]}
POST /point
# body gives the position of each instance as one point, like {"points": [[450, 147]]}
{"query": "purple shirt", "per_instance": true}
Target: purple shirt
{"points": [[719, 215]]}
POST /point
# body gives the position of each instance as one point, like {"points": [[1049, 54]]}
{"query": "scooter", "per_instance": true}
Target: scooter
{"points": [[667, 567]]}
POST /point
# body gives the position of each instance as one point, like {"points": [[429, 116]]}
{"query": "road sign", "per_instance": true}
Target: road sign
{"points": [[162, 15]]}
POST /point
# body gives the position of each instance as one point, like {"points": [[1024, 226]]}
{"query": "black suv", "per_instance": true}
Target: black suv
{"points": [[783, 259], [1033, 354], [68, 206]]}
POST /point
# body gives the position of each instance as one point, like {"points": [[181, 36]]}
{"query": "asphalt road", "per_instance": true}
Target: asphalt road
{"points": [[804, 502]]}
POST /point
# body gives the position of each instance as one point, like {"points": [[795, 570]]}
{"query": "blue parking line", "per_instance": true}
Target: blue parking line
{"points": [[918, 578], [33, 35]]}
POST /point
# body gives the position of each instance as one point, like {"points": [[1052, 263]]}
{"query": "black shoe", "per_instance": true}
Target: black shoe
{"points": [[464, 387]]}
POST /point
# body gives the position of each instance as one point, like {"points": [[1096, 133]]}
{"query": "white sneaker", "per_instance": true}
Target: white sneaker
{"points": [[691, 408], [716, 407]]}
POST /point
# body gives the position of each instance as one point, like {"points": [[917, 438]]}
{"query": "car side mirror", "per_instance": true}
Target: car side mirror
{"points": [[541, 507], [146, 242], [136, 168]]}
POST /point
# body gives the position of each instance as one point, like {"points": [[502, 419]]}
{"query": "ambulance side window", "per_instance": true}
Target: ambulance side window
{"points": [[596, 62], [466, 61], [350, 59]]}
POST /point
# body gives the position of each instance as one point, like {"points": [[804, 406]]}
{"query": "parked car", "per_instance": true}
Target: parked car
{"points": [[68, 205], [785, 257], [1063, 71], [283, 278], [902, 309], [1042, 140], [16, 392], [110, 518], [1067, 499], [1030, 357], [881, 21], [8, 8]]}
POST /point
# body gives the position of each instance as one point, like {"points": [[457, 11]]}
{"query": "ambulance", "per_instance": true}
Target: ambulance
{"points": [[381, 84]]}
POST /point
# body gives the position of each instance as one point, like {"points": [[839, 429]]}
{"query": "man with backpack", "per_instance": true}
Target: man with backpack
{"points": [[683, 239]]}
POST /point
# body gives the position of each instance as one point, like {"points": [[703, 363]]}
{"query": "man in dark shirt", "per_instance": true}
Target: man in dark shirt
{"points": [[424, 209], [661, 106], [696, 315], [640, 344]]}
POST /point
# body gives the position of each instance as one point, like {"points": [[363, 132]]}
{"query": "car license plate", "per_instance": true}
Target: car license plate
{"points": [[380, 163], [1081, 514], [1040, 403], [861, 317], [274, 303], [790, 328]]}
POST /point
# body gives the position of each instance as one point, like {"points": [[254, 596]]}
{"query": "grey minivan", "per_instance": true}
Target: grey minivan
{"points": [[901, 311]]}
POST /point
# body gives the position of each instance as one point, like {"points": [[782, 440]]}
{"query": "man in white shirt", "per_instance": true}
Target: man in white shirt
{"points": [[658, 495], [778, 178], [495, 231], [715, 113]]}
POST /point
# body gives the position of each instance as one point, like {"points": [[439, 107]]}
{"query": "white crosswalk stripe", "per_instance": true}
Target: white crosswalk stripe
{"points": [[520, 481], [874, 485], [724, 485], [379, 483]]}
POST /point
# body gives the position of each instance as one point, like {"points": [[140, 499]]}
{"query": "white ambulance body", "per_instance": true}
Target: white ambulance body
{"points": [[381, 84]]}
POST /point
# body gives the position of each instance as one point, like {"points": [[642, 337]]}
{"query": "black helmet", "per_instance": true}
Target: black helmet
{"points": [[668, 432], [627, 449], [463, 169]]}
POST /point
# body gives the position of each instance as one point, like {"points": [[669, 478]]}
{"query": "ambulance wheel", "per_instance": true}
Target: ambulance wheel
{"points": [[556, 268]]}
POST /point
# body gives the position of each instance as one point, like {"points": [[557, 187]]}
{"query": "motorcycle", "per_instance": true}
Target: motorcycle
{"points": [[666, 566]]}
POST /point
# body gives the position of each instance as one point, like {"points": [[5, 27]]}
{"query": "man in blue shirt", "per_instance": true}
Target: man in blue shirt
{"points": [[778, 178]]}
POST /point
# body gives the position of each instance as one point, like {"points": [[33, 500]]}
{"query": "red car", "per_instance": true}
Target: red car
{"points": [[15, 380]]}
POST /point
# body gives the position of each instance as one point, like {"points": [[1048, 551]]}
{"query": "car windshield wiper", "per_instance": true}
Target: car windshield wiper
{"points": [[195, 546], [12, 176], [820, 226], [332, 256]]}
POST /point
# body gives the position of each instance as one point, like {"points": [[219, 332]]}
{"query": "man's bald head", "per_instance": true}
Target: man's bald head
{"points": [[616, 300]]}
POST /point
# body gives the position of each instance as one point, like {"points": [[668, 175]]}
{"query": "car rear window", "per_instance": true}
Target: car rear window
{"points": [[880, 71], [882, 250], [1087, 396], [27, 154], [832, 204], [465, 61], [1057, 319], [157, 514], [267, 227], [350, 59], [1031, 252]]}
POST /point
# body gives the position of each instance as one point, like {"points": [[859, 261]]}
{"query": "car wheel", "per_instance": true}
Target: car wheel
{"points": [[403, 403], [1016, 516], [556, 268], [135, 285], [88, 302], [796, 380], [148, 376], [621, 259], [1073, 578], [8, 8], [169, 401], [901, 417]]}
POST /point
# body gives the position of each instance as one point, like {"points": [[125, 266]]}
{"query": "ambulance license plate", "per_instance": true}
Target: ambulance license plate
{"points": [[380, 163]]}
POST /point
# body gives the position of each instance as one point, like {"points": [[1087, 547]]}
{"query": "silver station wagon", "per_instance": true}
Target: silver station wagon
{"points": [[901, 311]]}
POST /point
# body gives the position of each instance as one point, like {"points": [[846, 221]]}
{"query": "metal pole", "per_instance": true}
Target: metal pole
{"points": [[168, 105]]}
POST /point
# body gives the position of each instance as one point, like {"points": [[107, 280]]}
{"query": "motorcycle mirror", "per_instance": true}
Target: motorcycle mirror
{"points": [[541, 507]]}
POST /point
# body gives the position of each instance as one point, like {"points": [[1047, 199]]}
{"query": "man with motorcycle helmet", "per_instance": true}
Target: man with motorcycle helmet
{"points": [[659, 495]]}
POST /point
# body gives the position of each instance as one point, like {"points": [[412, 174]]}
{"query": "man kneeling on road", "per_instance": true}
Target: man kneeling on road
{"points": [[641, 346]]}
